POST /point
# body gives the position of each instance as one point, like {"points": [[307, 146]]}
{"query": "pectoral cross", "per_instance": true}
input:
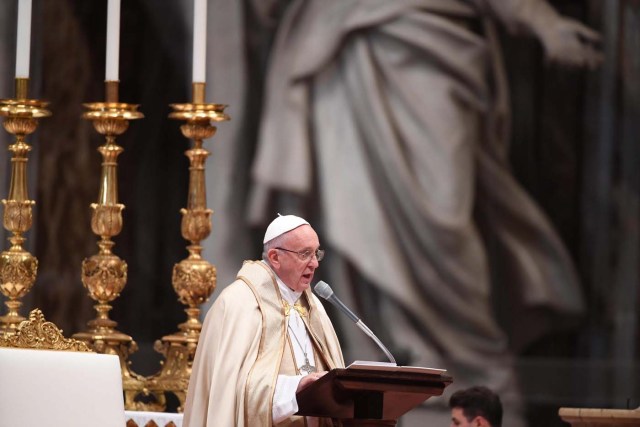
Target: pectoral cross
{"points": [[307, 367]]}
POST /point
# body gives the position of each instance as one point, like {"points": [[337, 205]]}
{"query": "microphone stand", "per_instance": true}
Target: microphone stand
{"points": [[371, 335]]}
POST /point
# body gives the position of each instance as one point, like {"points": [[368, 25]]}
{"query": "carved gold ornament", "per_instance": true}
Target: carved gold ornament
{"points": [[37, 333], [18, 268]]}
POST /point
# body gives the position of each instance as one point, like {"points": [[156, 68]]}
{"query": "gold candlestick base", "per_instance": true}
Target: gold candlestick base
{"points": [[18, 268]]}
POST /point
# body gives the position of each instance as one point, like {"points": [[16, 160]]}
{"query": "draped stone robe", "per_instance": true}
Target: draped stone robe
{"points": [[393, 118], [400, 111]]}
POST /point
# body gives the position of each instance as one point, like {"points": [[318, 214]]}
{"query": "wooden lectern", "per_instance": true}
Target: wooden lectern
{"points": [[370, 397]]}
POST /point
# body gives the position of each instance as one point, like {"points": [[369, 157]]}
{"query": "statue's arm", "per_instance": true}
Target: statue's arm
{"points": [[564, 39]]}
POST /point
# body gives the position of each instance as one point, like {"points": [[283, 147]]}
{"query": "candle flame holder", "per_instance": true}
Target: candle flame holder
{"points": [[18, 268]]}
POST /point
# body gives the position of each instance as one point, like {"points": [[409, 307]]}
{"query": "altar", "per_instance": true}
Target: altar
{"points": [[152, 419]]}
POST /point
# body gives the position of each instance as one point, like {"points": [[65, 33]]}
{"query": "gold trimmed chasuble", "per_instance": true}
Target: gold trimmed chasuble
{"points": [[243, 348]]}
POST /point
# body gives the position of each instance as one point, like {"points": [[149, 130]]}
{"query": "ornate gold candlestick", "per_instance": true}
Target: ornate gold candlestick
{"points": [[194, 278], [18, 268], [105, 274]]}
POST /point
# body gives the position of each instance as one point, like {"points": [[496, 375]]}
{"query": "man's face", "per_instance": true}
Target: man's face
{"points": [[459, 420], [294, 272]]}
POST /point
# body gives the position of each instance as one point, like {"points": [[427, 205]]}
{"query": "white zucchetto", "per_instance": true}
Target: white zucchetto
{"points": [[282, 224]]}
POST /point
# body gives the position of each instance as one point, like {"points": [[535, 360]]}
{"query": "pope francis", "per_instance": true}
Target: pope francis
{"points": [[265, 338]]}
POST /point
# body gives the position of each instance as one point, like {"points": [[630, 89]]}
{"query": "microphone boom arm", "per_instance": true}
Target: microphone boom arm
{"points": [[371, 335], [324, 290]]}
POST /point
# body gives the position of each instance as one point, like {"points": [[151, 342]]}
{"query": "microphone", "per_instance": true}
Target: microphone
{"points": [[324, 290]]}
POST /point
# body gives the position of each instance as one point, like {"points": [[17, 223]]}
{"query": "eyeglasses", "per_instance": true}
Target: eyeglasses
{"points": [[306, 255]]}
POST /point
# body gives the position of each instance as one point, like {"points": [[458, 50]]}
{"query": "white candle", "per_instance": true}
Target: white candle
{"points": [[113, 40], [199, 40], [23, 47]]}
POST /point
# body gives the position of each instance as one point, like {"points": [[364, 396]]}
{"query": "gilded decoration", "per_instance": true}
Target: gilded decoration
{"points": [[18, 268], [106, 219], [194, 278], [194, 281], [17, 272], [18, 215], [105, 274], [196, 224], [38, 333]]}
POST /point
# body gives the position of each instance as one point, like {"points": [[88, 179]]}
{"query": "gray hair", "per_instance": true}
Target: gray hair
{"points": [[272, 244]]}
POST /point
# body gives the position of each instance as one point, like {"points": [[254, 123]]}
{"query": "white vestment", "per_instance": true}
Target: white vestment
{"points": [[244, 347]]}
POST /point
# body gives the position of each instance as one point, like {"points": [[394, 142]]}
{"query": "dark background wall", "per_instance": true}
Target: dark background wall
{"points": [[574, 147]]}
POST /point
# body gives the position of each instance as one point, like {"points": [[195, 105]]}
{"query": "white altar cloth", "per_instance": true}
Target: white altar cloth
{"points": [[161, 419], [60, 388]]}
